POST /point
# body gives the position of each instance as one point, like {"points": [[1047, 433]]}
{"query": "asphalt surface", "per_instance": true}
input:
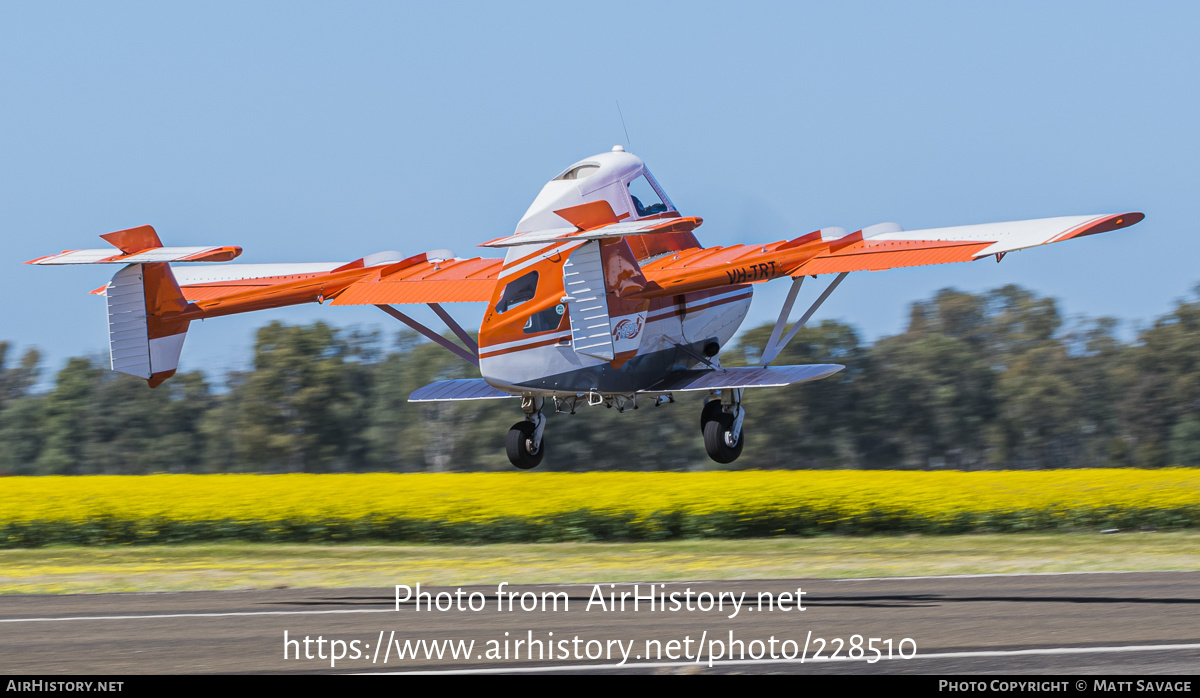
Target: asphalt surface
{"points": [[1130, 624]]}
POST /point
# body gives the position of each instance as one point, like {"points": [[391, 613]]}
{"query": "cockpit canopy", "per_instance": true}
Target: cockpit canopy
{"points": [[618, 177]]}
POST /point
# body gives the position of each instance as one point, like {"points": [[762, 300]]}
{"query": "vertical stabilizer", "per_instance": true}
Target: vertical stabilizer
{"points": [[143, 339], [583, 279], [128, 341], [603, 323]]}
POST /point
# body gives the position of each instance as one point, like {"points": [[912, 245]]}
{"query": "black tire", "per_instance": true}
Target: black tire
{"points": [[714, 439], [712, 408], [520, 443]]}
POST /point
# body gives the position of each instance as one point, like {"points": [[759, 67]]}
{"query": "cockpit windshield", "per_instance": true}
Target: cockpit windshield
{"points": [[646, 199]]}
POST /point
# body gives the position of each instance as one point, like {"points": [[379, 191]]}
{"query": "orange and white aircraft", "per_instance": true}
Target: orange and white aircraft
{"points": [[604, 295]]}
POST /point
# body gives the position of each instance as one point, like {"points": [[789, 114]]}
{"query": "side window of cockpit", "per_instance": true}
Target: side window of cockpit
{"points": [[580, 172], [646, 201], [517, 292], [548, 319]]}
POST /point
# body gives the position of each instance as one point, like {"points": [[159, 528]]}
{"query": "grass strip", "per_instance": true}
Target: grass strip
{"points": [[74, 569], [584, 526]]}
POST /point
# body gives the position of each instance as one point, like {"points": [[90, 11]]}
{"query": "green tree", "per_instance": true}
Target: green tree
{"points": [[20, 412], [299, 410], [16, 381], [1185, 442], [1040, 419], [930, 399], [63, 418], [812, 425], [1163, 383], [133, 428]]}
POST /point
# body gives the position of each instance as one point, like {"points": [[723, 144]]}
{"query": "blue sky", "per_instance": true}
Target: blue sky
{"points": [[324, 132]]}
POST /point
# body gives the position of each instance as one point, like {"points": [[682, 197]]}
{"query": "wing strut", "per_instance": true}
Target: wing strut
{"points": [[455, 328], [774, 345], [470, 356]]}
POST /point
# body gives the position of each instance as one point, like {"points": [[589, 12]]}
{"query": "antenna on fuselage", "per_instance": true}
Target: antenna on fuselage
{"points": [[623, 124]]}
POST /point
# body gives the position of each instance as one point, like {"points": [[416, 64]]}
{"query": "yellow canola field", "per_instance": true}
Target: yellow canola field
{"points": [[464, 497]]}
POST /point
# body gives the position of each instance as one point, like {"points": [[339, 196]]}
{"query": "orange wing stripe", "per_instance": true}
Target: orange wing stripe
{"points": [[221, 254], [205, 292], [1114, 222], [714, 267], [384, 292], [451, 281], [883, 255]]}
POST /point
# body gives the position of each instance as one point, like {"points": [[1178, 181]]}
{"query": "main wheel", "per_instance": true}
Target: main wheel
{"points": [[712, 408], [520, 447], [716, 439]]}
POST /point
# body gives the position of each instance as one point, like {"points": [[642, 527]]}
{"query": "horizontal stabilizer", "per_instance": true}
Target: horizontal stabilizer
{"points": [[157, 254], [725, 378], [613, 230], [461, 389]]}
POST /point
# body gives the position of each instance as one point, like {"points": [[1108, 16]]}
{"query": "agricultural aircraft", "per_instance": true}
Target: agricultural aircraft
{"points": [[604, 296]]}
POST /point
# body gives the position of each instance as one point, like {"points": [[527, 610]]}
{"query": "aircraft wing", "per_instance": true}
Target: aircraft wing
{"points": [[425, 281], [206, 283], [886, 250], [421, 281], [423, 278], [884, 246]]}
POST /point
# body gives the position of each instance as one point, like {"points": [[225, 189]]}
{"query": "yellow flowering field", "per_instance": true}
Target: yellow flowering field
{"points": [[487, 507]]}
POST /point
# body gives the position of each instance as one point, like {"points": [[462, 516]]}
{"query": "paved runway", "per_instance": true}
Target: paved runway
{"points": [[1133, 624]]}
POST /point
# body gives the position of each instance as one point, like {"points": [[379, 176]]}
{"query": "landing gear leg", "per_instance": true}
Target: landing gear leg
{"points": [[525, 446], [722, 425]]}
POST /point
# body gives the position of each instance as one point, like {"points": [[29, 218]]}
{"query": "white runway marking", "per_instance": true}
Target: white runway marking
{"points": [[752, 662], [859, 579]]}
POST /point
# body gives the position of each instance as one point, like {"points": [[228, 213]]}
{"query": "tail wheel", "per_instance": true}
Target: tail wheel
{"points": [[717, 435], [522, 450]]}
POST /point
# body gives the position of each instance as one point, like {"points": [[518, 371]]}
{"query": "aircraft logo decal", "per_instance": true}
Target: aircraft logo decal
{"points": [[627, 329]]}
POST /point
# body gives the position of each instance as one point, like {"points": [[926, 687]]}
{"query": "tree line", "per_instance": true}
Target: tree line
{"points": [[976, 381]]}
